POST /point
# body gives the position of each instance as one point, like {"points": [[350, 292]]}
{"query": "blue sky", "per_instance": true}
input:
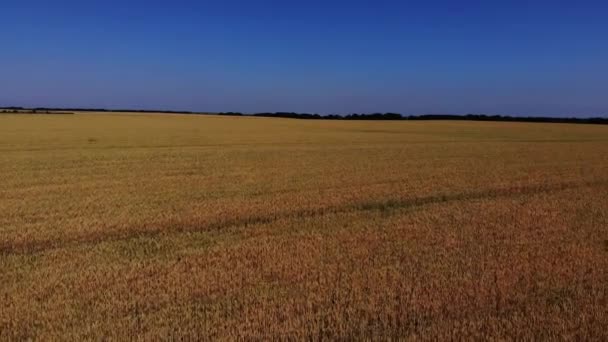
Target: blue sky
{"points": [[412, 57]]}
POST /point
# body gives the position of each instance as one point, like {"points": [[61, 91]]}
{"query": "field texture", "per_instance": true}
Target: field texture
{"points": [[203, 227]]}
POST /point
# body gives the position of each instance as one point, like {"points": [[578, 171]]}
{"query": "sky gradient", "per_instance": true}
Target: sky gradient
{"points": [[412, 57]]}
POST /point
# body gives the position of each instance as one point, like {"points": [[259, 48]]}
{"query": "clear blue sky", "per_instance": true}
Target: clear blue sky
{"points": [[412, 57]]}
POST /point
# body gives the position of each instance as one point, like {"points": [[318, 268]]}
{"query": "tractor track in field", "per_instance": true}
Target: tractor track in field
{"points": [[390, 205]]}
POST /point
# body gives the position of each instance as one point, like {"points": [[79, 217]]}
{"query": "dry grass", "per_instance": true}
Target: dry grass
{"points": [[190, 227]]}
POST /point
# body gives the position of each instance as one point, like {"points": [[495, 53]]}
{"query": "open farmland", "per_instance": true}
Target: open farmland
{"points": [[204, 227]]}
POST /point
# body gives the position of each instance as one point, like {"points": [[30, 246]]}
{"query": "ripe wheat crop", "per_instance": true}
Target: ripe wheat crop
{"points": [[119, 226]]}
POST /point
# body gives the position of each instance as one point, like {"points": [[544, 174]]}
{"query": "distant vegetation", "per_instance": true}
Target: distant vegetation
{"points": [[59, 110], [308, 116], [395, 116], [30, 111]]}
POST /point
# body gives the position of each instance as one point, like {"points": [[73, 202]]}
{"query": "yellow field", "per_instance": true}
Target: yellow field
{"points": [[202, 227]]}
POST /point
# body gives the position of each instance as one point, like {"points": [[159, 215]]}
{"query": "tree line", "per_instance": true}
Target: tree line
{"points": [[309, 116], [396, 116]]}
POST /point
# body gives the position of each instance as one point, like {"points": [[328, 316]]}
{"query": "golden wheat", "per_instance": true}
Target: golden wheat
{"points": [[116, 226]]}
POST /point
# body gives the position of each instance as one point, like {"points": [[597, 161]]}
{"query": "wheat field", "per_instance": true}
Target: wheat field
{"points": [[192, 227]]}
